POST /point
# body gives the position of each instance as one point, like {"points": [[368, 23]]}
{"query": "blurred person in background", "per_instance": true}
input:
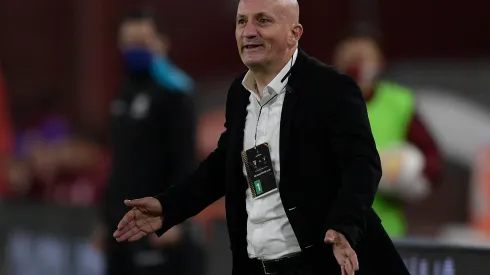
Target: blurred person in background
{"points": [[409, 156], [153, 147], [50, 162]]}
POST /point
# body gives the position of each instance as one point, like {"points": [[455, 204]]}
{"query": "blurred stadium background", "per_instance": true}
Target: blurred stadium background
{"points": [[60, 67]]}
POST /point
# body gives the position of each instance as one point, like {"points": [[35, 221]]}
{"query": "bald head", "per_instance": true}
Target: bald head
{"points": [[288, 9], [267, 31], [292, 9]]}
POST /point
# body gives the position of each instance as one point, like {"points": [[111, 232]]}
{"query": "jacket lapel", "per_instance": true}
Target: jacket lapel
{"points": [[237, 133], [292, 95]]}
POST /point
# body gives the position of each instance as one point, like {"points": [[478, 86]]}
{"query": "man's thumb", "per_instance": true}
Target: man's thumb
{"points": [[135, 202], [329, 237]]}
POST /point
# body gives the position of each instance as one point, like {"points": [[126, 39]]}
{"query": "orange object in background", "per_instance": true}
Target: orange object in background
{"points": [[6, 139], [480, 193], [214, 212], [209, 129]]}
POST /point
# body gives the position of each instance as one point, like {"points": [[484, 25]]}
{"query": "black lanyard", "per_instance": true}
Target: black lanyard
{"points": [[261, 106]]}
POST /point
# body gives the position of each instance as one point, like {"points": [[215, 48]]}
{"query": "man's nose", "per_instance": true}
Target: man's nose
{"points": [[249, 30]]}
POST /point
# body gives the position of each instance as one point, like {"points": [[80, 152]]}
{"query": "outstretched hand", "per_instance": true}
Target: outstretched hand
{"points": [[343, 252], [144, 218]]}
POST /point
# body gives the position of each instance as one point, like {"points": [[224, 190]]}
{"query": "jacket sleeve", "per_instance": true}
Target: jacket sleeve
{"points": [[201, 188], [356, 157], [181, 147]]}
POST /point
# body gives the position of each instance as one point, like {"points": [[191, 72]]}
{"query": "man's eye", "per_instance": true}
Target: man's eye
{"points": [[263, 20], [241, 21]]}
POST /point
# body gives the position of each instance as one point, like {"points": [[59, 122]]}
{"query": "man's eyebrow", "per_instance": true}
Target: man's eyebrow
{"points": [[259, 14], [263, 14]]}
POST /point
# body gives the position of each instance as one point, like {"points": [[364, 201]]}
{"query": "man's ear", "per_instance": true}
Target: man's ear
{"points": [[296, 34]]}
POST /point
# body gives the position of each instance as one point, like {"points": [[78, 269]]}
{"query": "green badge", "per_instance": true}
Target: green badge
{"points": [[258, 187]]}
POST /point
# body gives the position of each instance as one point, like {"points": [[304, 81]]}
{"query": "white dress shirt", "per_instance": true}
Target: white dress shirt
{"points": [[269, 233]]}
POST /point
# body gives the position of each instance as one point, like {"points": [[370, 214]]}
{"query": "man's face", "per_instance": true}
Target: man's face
{"points": [[139, 33], [262, 32], [361, 58]]}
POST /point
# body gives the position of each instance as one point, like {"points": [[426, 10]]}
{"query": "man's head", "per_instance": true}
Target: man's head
{"points": [[267, 32], [140, 38], [359, 54]]}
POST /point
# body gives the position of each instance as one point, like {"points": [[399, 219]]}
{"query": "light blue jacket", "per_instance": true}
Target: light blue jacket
{"points": [[165, 73]]}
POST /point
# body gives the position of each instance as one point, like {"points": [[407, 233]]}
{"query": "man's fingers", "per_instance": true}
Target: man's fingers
{"points": [[348, 267], [135, 202], [137, 236], [329, 240], [330, 236], [130, 233], [130, 216], [123, 234], [120, 232], [117, 233], [353, 259], [342, 268], [133, 226]]}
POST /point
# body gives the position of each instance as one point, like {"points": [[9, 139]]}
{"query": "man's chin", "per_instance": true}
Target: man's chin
{"points": [[253, 63]]}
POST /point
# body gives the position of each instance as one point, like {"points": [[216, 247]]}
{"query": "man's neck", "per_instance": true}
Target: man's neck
{"points": [[264, 76]]}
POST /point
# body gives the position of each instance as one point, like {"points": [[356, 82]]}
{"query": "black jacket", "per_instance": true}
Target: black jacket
{"points": [[330, 170], [153, 142]]}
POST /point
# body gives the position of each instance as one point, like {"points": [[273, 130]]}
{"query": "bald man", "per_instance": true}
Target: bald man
{"points": [[297, 163]]}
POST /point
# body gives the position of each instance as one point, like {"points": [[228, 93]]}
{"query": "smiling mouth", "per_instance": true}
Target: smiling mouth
{"points": [[251, 47]]}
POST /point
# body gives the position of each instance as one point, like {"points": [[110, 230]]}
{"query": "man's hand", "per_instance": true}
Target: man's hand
{"points": [[345, 255], [143, 219]]}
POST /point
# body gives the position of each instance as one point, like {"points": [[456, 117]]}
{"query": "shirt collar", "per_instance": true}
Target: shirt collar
{"points": [[275, 86]]}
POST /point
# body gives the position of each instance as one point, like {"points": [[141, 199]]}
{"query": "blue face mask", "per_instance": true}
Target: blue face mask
{"points": [[137, 59]]}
